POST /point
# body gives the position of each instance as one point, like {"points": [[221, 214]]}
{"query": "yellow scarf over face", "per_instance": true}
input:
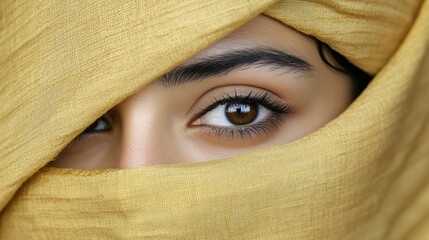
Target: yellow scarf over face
{"points": [[365, 175]]}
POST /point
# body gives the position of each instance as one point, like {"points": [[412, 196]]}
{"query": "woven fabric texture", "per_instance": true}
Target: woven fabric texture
{"points": [[364, 175]]}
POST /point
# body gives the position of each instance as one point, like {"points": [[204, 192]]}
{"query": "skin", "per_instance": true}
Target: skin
{"points": [[159, 124]]}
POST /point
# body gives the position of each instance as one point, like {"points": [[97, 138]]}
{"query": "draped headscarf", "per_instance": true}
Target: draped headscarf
{"points": [[364, 175]]}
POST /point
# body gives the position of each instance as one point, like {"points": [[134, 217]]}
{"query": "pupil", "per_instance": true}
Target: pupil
{"points": [[241, 113]]}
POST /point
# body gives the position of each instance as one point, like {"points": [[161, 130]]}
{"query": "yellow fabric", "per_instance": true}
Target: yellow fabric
{"points": [[365, 175]]}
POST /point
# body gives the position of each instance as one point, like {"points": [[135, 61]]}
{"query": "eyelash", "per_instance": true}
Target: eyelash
{"points": [[279, 111]]}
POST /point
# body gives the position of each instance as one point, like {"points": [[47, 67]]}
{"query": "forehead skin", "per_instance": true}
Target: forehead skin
{"points": [[263, 31]]}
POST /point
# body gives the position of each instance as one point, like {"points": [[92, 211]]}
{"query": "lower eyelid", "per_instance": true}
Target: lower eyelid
{"points": [[81, 137], [87, 136], [248, 131]]}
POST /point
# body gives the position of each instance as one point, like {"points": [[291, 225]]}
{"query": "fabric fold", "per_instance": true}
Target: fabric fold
{"points": [[362, 176]]}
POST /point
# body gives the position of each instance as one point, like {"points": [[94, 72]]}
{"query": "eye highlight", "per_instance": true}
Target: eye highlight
{"points": [[243, 116], [241, 113]]}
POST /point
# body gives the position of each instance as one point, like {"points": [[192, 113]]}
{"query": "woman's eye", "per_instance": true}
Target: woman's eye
{"points": [[234, 114], [242, 115], [100, 125]]}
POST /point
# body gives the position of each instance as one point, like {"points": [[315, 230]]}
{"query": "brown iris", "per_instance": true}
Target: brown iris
{"points": [[241, 113]]}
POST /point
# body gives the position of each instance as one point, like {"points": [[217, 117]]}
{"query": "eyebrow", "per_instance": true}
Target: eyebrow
{"points": [[222, 64]]}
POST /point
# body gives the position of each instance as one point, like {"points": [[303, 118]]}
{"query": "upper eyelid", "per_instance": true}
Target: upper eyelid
{"points": [[261, 97], [210, 107]]}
